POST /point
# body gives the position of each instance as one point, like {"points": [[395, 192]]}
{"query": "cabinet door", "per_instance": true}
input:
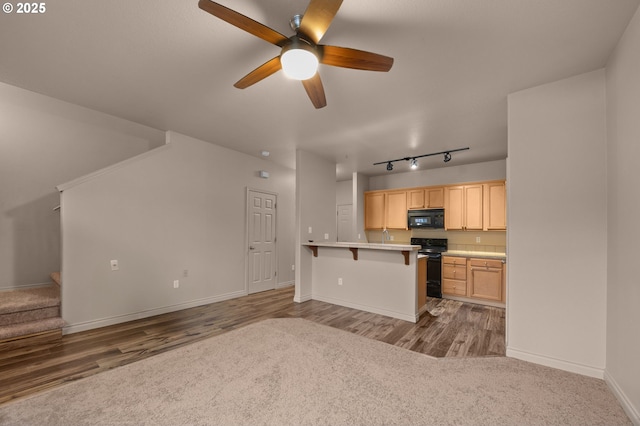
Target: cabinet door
{"points": [[396, 210], [485, 282], [473, 207], [495, 206], [454, 287], [374, 210], [422, 282], [415, 199], [454, 207], [434, 198]]}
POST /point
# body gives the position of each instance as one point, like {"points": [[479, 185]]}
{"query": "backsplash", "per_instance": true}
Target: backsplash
{"points": [[490, 241]]}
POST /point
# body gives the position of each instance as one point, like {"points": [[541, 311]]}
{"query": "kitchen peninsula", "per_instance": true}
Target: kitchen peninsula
{"points": [[378, 278]]}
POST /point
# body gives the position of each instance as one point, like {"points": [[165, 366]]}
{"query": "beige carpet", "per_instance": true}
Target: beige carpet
{"points": [[295, 372]]}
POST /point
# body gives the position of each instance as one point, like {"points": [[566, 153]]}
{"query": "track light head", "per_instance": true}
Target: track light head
{"points": [[389, 166], [414, 163], [447, 157]]}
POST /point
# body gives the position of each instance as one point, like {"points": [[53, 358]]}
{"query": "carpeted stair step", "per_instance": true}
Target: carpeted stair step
{"points": [[25, 329], [29, 312]]}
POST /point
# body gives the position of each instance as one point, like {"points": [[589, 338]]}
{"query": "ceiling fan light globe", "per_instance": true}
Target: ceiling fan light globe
{"points": [[299, 64]]}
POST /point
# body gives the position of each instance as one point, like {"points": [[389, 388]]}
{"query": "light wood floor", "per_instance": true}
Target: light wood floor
{"points": [[449, 329]]}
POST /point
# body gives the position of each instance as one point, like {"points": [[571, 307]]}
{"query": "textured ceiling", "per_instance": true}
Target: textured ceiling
{"points": [[171, 66]]}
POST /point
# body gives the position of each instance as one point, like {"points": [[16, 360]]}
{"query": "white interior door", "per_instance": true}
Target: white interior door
{"points": [[345, 219], [261, 245]]}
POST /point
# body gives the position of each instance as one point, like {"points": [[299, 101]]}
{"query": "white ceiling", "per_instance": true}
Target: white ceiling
{"points": [[169, 65]]}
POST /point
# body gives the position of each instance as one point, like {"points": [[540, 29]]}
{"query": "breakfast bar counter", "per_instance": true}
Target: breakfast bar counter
{"points": [[378, 278]]}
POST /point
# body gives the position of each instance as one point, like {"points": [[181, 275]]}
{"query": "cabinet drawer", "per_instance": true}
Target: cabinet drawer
{"points": [[455, 272], [456, 287], [454, 260], [485, 263]]}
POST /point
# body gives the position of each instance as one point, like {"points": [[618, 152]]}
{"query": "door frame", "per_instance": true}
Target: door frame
{"points": [[248, 190]]}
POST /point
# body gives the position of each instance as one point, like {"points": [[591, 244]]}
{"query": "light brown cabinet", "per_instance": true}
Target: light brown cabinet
{"points": [[486, 279], [422, 282], [415, 199], [434, 197], [495, 206], [463, 207], [374, 210], [425, 198], [454, 275], [396, 210], [474, 207], [474, 278], [385, 209]]}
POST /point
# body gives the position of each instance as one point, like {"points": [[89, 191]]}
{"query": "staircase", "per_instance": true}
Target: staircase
{"points": [[30, 315]]}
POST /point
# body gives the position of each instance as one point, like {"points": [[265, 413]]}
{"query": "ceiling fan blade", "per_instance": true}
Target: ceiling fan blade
{"points": [[314, 89], [318, 17], [243, 22], [352, 58], [260, 73]]}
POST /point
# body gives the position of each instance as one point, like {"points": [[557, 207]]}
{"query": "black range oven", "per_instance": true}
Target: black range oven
{"points": [[433, 249]]}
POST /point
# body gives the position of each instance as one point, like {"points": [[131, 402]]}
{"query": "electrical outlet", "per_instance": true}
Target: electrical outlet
{"points": [[391, 237], [293, 267], [114, 265], [359, 237], [477, 239], [326, 236], [176, 283], [310, 230], [339, 281]]}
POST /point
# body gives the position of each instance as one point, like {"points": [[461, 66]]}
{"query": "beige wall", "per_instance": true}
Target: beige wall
{"points": [[44, 142], [623, 152], [556, 301], [315, 209], [182, 206]]}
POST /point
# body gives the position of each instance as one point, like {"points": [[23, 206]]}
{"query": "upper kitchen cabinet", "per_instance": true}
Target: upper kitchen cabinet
{"points": [[463, 205], [385, 209], [415, 198], [434, 197], [374, 210], [396, 210], [425, 198], [495, 206]]}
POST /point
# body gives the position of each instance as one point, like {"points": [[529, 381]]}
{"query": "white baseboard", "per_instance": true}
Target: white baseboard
{"points": [[301, 298], [375, 310], [23, 287], [560, 364], [285, 284], [627, 406], [103, 322]]}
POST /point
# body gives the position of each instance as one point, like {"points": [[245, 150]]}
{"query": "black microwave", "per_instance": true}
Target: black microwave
{"points": [[431, 218]]}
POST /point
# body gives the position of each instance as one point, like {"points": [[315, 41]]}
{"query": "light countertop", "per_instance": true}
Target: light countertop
{"points": [[371, 246], [480, 254]]}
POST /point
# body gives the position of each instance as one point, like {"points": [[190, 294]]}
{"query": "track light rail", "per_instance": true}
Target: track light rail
{"points": [[447, 158]]}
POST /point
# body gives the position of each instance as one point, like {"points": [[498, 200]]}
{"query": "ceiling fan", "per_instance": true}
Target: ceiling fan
{"points": [[301, 52]]}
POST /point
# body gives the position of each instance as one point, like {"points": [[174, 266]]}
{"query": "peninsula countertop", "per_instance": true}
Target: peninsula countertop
{"points": [[478, 254], [370, 246]]}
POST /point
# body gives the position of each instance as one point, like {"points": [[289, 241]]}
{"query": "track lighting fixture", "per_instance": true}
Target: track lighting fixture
{"points": [[414, 160]]}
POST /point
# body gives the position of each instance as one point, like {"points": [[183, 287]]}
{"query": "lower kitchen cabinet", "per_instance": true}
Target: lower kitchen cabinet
{"points": [[454, 275], [476, 279], [485, 279]]}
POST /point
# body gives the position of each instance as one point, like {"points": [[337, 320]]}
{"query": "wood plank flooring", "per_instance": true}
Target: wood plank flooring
{"points": [[449, 329]]}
